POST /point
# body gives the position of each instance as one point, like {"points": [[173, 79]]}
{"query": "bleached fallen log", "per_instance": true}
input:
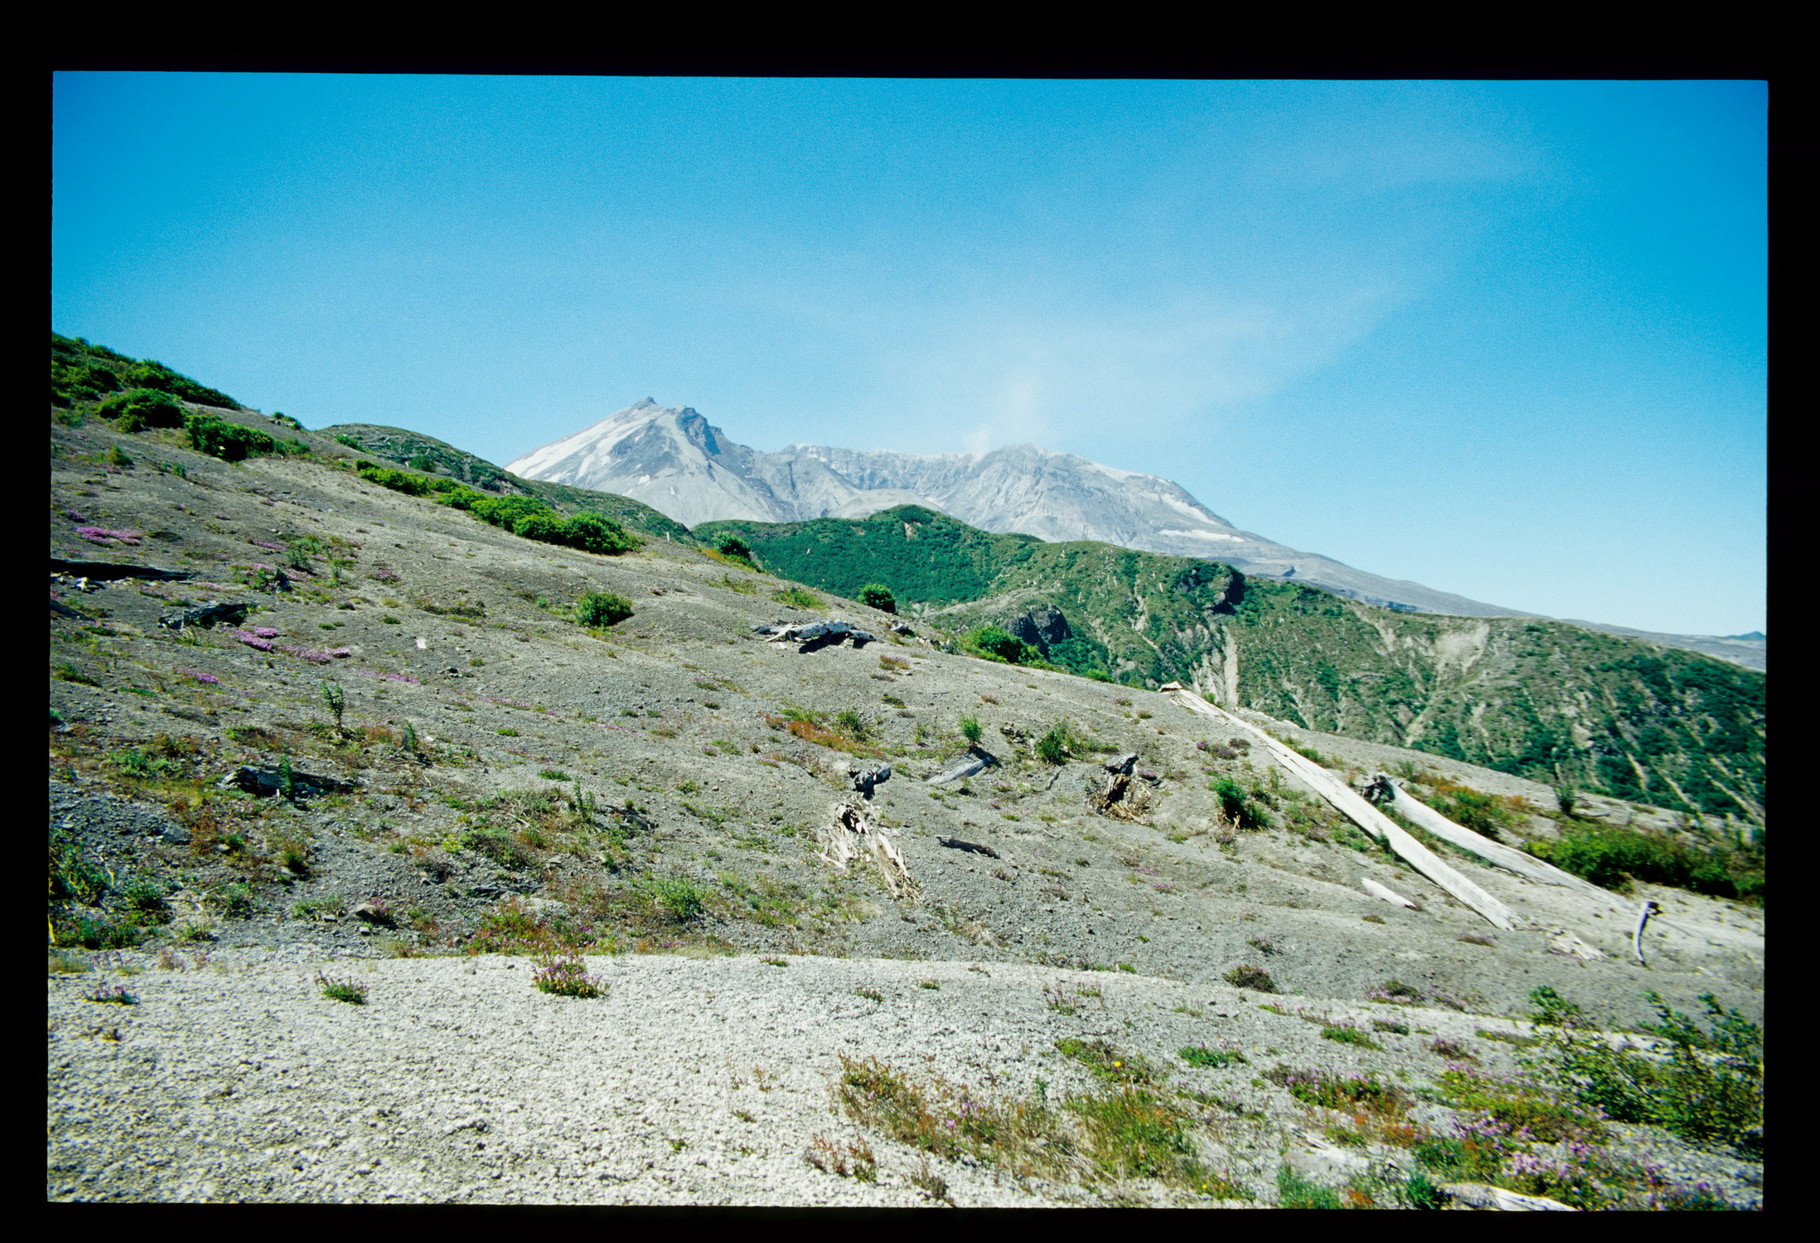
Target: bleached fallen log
{"points": [[1497, 853], [818, 633], [1348, 801], [1385, 892], [971, 761], [1478, 1195]]}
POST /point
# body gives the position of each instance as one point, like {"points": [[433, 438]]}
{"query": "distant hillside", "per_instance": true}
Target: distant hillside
{"points": [[1542, 699], [436, 457]]}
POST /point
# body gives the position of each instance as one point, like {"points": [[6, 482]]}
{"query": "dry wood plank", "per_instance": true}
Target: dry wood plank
{"points": [[1497, 853], [1367, 817]]}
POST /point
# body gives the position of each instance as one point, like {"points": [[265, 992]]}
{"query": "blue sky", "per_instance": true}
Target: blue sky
{"points": [[1506, 339]]}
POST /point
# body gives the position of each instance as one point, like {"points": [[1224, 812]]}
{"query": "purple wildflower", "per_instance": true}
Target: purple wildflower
{"points": [[106, 535], [252, 640]]}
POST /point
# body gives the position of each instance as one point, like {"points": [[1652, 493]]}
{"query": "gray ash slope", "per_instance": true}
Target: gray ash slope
{"points": [[672, 764]]}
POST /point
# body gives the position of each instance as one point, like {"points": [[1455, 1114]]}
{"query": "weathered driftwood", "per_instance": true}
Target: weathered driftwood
{"points": [[955, 843], [1643, 913], [205, 615], [1385, 790], [1122, 797], [1563, 942], [814, 635], [107, 571], [1478, 1195], [970, 761], [1367, 817], [850, 834], [867, 777], [1385, 892]]}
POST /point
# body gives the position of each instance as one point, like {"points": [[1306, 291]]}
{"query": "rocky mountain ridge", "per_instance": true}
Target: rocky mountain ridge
{"points": [[673, 459]]}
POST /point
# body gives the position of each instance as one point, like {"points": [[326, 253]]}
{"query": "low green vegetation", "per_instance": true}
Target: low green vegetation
{"points": [[797, 598], [599, 609], [1061, 743], [567, 977], [233, 442], [1612, 857], [1705, 1085], [1241, 807], [1128, 1128], [342, 990], [82, 372], [526, 516]]}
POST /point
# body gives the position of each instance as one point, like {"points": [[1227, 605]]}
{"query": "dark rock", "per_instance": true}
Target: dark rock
{"points": [[270, 782], [955, 843], [1040, 627], [207, 615]]}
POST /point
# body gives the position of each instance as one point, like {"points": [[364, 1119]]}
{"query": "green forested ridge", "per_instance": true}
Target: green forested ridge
{"points": [[1541, 699]]}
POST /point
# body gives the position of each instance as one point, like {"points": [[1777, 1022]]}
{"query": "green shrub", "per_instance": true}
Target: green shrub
{"points": [[970, 729], [73, 874], [100, 934], [678, 897], [141, 408], [544, 526], [736, 549], [877, 596], [1061, 742], [156, 375], [1254, 978], [505, 511], [594, 533], [1485, 814], [228, 441], [145, 902], [600, 609], [1201, 1055], [1237, 805]]}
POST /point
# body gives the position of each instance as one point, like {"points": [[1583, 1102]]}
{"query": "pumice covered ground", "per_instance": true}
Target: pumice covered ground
{"points": [[1164, 1003]]}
